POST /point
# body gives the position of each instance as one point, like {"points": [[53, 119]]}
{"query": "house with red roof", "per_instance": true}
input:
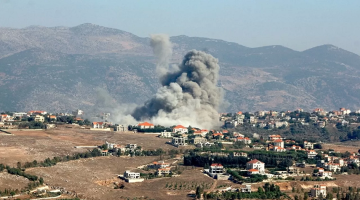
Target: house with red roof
{"points": [[253, 171], [279, 149], [145, 125], [5, 117], [279, 143], [98, 125], [163, 171], [246, 140], [274, 137], [215, 169], [37, 112], [52, 118], [160, 164], [180, 129], [255, 164], [200, 133], [220, 135]]}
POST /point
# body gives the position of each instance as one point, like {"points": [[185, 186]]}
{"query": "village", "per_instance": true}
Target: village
{"points": [[242, 160]]}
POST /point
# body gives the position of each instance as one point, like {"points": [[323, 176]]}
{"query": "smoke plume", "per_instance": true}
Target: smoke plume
{"points": [[189, 95], [162, 49]]}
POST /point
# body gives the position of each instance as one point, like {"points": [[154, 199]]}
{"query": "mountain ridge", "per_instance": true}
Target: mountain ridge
{"points": [[60, 69]]}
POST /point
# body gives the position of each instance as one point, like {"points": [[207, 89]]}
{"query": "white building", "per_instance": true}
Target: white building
{"points": [[160, 164], [318, 190], [311, 154], [98, 125], [163, 171], [20, 114], [78, 113], [132, 177], [333, 167], [308, 145], [166, 134], [129, 174], [246, 140], [279, 124], [180, 129], [39, 118], [247, 188], [279, 143], [216, 169], [145, 125], [256, 164]]}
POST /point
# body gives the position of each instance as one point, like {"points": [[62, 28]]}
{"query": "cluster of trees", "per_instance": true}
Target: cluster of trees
{"points": [[32, 125], [271, 159], [203, 160], [153, 175], [19, 172], [307, 178], [355, 134], [34, 180], [268, 191], [352, 168], [9, 192], [238, 176]]}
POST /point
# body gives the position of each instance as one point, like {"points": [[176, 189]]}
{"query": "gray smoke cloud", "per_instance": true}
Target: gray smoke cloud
{"points": [[189, 95], [162, 49]]}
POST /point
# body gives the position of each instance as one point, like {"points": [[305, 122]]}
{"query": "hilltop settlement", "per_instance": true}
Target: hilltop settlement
{"points": [[260, 155]]}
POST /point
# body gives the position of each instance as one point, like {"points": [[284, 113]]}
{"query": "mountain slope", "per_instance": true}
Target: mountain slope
{"points": [[62, 68]]}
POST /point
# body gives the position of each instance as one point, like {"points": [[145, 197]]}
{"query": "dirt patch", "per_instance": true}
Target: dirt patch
{"points": [[342, 147], [12, 181], [26, 146]]}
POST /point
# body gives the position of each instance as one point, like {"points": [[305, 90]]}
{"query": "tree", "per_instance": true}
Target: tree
{"points": [[306, 196], [199, 191], [41, 181], [18, 165]]}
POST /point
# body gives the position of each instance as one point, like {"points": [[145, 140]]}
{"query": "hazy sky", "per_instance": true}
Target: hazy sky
{"points": [[296, 24]]}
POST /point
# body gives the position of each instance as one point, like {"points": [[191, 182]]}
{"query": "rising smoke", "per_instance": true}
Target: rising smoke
{"points": [[189, 95]]}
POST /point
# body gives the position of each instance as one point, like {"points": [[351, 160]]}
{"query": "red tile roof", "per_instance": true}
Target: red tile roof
{"points": [[216, 165], [145, 124], [217, 134], [253, 170], [179, 126], [278, 140], [254, 161]]}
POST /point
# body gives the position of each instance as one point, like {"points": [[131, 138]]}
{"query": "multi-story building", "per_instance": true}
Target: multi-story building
{"points": [[179, 141], [308, 145], [279, 143], [39, 118], [256, 164], [180, 129], [318, 190], [216, 169], [246, 140], [163, 171], [311, 154]]}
